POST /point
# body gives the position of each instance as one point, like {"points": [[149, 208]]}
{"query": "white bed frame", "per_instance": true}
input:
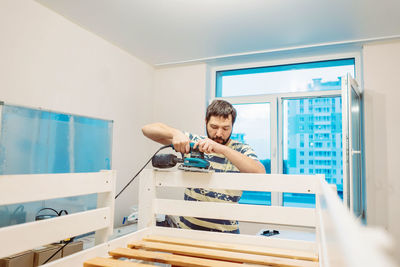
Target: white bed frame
{"points": [[340, 240]]}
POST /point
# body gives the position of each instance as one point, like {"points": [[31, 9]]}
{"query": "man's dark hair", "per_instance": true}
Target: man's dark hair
{"points": [[221, 108]]}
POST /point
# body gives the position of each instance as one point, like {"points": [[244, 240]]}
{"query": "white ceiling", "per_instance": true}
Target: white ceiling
{"points": [[163, 32]]}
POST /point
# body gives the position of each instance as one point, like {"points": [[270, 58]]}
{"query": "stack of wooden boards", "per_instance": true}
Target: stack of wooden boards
{"points": [[190, 252]]}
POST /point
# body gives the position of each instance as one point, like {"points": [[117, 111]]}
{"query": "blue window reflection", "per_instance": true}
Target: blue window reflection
{"points": [[300, 77], [321, 144]]}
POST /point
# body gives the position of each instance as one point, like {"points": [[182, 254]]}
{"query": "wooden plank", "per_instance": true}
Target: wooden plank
{"points": [[56, 186], [232, 211], [175, 260], [232, 181], [222, 255], [242, 239], [257, 250], [51, 230], [107, 262]]}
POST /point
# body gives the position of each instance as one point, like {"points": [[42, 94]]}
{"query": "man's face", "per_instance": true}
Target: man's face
{"points": [[219, 129]]}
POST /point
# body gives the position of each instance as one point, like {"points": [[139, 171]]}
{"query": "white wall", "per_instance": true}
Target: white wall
{"points": [[180, 97], [179, 101], [382, 135], [46, 61]]}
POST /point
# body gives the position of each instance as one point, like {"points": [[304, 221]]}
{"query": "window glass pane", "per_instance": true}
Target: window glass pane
{"points": [[252, 127], [303, 77], [319, 135]]}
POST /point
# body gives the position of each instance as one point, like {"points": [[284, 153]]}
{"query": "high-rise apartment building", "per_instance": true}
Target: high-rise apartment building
{"points": [[314, 135]]}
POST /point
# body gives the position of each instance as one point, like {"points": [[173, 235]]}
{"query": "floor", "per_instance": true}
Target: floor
{"points": [[88, 241]]}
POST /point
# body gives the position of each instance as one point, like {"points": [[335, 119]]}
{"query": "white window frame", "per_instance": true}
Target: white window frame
{"points": [[276, 99]]}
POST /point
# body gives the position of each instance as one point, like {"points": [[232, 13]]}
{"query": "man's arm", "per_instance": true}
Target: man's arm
{"points": [[241, 161], [167, 135]]}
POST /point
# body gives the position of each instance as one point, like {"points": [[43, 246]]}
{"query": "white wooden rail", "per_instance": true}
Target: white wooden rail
{"points": [[242, 181], [343, 241], [150, 205], [34, 187], [230, 211], [246, 213]]}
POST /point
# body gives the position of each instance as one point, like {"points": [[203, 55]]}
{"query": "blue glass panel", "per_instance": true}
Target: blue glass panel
{"points": [[91, 153], [39, 141], [299, 77]]}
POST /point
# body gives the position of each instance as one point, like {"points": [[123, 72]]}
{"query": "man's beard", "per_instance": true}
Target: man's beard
{"points": [[219, 139]]}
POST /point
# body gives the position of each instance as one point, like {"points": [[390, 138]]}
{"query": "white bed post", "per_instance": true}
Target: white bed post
{"points": [[107, 199], [147, 194], [319, 235]]}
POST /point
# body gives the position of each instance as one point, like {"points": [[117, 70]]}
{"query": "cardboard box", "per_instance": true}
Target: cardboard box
{"points": [[72, 248], [22, 259], [45, 252]]}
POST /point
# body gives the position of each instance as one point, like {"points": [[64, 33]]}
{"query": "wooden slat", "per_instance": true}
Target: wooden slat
{"points": [[56, 186], [232, 211], [221, 255], [176, 260], [258, 250], [254, 240], [106, 262], [234, 181], [47, 231]]}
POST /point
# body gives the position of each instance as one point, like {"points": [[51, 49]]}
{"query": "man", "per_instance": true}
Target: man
{"points": [[223, 153]]}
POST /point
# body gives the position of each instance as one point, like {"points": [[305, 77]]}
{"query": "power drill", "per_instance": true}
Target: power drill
{"points": [[164, 161], [195, 161]]}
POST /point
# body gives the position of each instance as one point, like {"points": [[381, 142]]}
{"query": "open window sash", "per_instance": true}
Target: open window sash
{"points": [[351, 140]]}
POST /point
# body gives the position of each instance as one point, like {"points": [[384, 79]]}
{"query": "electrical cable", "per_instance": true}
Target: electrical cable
{"points": [[46, 216], [69, 241], [161, 148]]}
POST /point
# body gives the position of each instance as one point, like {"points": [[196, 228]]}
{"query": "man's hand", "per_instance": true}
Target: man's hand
{"points": [[241, 161], [209, 146], [181, 142]]}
